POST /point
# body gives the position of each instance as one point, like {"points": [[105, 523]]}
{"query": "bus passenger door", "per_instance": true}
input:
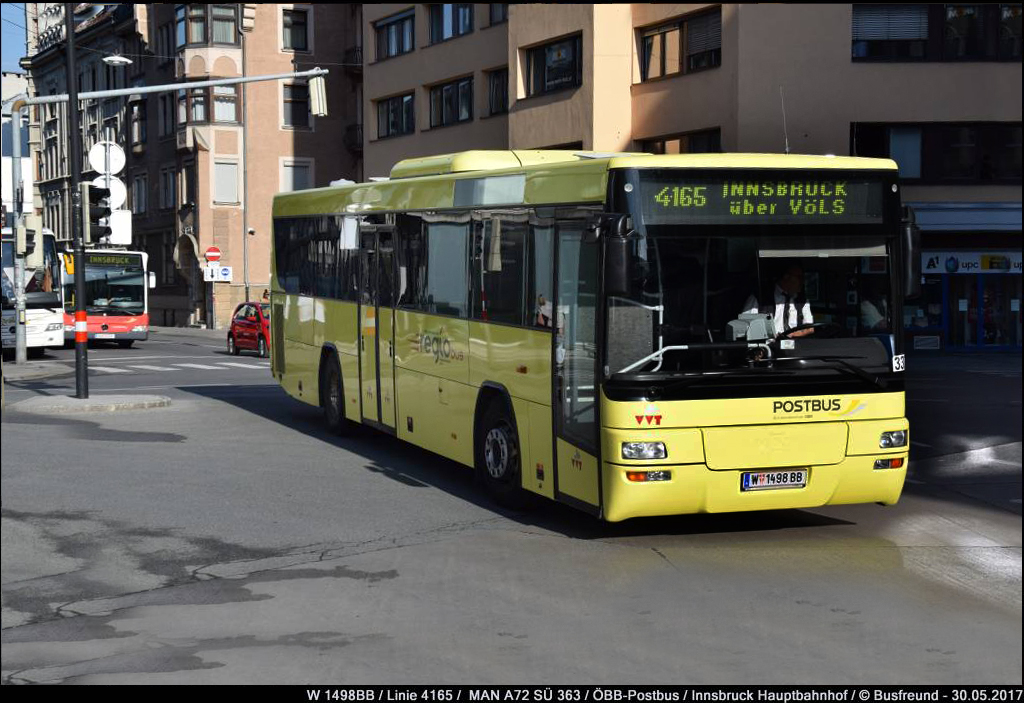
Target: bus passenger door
{"points": [[376, 325], [386, 325], [575, 367], [368, 324]]}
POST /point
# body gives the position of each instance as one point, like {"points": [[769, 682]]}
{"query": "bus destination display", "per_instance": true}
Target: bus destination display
{"points": [[759, 200], [118, 260]]}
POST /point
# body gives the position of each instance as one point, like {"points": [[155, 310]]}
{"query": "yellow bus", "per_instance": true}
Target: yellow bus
{"points": [[629, 334]]}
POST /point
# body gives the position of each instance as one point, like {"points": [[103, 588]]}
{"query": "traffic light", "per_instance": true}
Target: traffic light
{"points": [[95, 213]]}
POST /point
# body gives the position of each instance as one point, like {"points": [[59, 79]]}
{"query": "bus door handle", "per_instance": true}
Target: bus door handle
{"points": [[391, 349], [362, 343]]}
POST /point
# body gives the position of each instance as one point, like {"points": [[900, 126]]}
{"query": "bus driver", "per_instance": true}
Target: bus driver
{"points": [[789, 307]]}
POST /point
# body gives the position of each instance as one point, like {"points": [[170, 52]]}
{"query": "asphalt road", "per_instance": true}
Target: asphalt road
{"points": [[230, 539]]}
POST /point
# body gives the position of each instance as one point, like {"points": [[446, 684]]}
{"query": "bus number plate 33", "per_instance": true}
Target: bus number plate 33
{"points": [[899, 363], [768, 480]]}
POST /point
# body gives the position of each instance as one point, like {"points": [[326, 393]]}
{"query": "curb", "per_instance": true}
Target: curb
{"points": [[66, 405], [13, 373]]}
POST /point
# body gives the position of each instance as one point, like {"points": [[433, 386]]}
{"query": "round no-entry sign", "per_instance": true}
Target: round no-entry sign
{"points": [[212, 255]]}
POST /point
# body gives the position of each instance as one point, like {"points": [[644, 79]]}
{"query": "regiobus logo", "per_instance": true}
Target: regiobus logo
{"points": [[438, 345]]}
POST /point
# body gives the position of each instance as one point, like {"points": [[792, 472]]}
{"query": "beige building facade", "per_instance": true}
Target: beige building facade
{"points": [[937, 87]]}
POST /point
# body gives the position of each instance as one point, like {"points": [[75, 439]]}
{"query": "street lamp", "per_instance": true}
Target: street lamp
{"points": [[250, 232]]}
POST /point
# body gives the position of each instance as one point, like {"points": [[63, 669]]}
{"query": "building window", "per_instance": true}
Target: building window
{"points": [[225, 24], [450, 20], [140, 189], [451, 103], [139, 121], [497, 91], [197, 24], [193, 105], [296, 174], [168, 270], [165, 44], [499, 12], [193, 28], [166, 116], [1010, 32], [937, 32], [167, 189], [179, 28], [554, 66], [704, 41], [225, 182], [395, 35], [296, 105], [890, 31], [706, 141], [225, 103], [395, 116], [660, 51], [296, 30], [945, 152]]}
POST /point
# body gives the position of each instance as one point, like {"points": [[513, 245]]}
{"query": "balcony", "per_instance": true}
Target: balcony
{"points": [[353, 60], [353, 138]]}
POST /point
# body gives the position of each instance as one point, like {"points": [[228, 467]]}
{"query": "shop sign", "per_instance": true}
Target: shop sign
{"points": [[971, 262]]}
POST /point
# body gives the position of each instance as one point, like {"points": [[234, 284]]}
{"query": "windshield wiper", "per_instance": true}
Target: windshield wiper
{"points": [[839, 363], [709, 346], [660, 386]]}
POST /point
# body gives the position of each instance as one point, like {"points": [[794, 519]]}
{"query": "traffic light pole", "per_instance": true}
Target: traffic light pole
{"points": [[81, 328]]}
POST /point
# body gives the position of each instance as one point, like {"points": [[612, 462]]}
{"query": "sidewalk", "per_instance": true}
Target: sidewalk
{"points": [[36, 370]]}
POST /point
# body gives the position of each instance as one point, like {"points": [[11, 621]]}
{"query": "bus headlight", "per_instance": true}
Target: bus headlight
{"points": [[643, 450], [889, 440], [139, 328], [54, 326]]}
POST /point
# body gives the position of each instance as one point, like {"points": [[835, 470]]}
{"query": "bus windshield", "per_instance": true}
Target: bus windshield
{"points": [[115, 284], [726, 278], [41, 284]]}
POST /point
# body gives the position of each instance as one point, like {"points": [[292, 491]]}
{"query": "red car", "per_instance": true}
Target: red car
{"points": [[250, 329]]}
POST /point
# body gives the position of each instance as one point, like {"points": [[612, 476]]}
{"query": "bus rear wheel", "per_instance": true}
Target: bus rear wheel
{"points": [[332, 397], [498, 459]]}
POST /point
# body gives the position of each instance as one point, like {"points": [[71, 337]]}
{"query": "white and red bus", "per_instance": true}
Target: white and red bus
{"points": [[117, 296]]}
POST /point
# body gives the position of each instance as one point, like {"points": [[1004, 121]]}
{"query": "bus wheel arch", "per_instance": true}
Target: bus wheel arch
{"points": [[332, 390], [498, 456]]}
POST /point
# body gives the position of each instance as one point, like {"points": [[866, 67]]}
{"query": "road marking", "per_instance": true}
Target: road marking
{"points": [[242, 366], [198, 366], [153, 368], [107, 369]]}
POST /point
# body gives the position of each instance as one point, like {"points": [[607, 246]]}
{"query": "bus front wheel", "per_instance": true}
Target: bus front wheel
{"points": [[498, 460]]}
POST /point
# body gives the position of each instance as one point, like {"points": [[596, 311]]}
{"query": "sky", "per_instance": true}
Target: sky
{"points": [[13, 14]]}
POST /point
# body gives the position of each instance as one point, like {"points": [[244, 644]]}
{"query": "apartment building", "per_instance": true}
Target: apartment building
{"points": [[937, 87], [203, 163]]}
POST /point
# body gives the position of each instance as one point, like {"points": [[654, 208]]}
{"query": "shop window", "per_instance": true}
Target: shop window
{"points": [[985, 152]]}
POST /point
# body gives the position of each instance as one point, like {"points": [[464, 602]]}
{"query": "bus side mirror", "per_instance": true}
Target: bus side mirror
{"points": [[618, 256], [152, 279], [911, 255]]}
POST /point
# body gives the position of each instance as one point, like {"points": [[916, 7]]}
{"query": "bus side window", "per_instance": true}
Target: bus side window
{"points": [[540, 289]]}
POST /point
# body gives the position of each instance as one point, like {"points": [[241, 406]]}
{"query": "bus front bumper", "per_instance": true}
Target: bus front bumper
{"points": [[694, 488]]}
